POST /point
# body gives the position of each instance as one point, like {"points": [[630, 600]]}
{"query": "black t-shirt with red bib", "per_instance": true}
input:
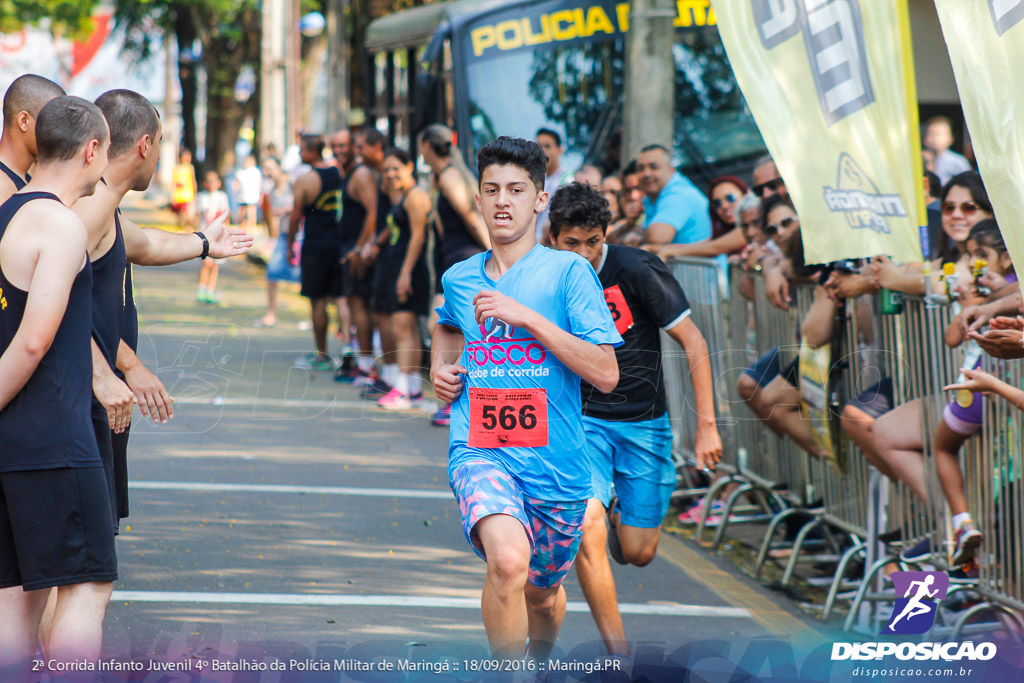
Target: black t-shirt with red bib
{"points": [[643, 298]]}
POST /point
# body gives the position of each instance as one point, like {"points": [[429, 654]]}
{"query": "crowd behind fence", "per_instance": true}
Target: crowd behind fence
{"points": [[780, 480]]}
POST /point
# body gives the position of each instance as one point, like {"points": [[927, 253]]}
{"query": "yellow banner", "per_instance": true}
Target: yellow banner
{"points": [[827, 82], [986, 45]]}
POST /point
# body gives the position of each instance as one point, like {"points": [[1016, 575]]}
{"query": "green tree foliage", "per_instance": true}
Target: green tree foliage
{"points": [[69, 18], [228, 32]]}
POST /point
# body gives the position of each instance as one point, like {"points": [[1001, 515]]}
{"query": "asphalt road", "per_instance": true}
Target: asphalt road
{"points": [[279, 516]]}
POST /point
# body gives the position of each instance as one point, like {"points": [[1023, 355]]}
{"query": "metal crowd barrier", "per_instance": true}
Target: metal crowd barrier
{"points": [[908, 347]]}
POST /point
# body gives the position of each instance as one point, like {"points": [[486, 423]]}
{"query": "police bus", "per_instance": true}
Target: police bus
{"points": [[508, 67]]}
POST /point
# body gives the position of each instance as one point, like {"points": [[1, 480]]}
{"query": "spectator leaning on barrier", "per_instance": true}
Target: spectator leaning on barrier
{"points": [[726, 237], [938, 138], [766, 180], [676, 211]]}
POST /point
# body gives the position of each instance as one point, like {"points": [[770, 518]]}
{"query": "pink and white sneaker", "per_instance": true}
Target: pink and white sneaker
{"points": [[692, 516], [397, 400]]}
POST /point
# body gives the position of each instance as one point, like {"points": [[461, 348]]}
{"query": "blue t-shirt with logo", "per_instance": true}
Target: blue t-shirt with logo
{"points": [[502, 359]]}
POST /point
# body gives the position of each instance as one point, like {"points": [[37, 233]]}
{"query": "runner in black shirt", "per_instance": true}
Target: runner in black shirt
{"points": [[628, 432]]}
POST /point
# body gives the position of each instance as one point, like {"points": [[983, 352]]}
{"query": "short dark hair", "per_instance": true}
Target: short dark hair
{"points": [[551, 134], [578, 205], [651, 148], [313, 142], [129, 116], [372, 137], [29, 93], [400, 154], [630, 169], [508, 151], [934, 184], [65, 124]]}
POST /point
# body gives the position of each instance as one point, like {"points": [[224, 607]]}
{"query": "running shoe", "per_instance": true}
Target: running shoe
{"points": [[966, 573], [355, 376], [921, 551], [396, 400], [614, 546], [443, 417], [314, 361], [376, 391], [692, 516], [966, 540]]}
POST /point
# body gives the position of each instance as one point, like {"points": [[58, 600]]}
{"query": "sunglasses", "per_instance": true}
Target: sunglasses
{"points": [[773, 185], [716, 204], [784, 224], [966, 208]]}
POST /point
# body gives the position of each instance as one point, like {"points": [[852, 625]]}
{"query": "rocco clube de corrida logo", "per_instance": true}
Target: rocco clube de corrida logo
{"points": [[859, 199], [917, 595]]}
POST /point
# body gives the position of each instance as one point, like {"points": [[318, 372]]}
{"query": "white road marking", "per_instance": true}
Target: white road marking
{"points": [[671, 610], [280, 488]]}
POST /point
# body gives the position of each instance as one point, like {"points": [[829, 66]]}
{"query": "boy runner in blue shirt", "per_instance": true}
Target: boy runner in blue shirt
{"points": [[629, 437], [521, 324]]}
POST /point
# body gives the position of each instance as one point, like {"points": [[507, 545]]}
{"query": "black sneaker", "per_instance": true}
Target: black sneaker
{"points": [[917, 553], [614, 547], [378, 390]]}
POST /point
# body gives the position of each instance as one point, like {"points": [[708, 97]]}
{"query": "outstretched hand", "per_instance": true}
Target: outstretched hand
{"points": [[226, 241]]}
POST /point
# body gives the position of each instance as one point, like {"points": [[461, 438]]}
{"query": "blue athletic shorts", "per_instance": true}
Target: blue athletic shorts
{"points": [[555, 528], [637, 458]]}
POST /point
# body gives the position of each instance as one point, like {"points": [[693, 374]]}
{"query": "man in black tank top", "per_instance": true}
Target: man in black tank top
{"points": [[318, 207], [359, 197], [22, 102], [55, 520], [113, 242]]}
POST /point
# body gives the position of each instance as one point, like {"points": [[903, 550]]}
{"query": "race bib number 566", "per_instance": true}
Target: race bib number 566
{"points": [[502, 418]]}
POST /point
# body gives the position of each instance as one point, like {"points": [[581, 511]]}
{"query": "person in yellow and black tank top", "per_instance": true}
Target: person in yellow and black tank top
{"points": [[401, 289], [318, 207]]}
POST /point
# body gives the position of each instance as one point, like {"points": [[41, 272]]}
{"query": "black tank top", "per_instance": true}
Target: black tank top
{"points": [[323, 215], [399, 233], [129, 316], [383, 209], [47, 425], [108, 281], [15, 178], [353, 215], [455, 237]]}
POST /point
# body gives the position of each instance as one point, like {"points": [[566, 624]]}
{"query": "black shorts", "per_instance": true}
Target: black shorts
{"points": [[120, 444], [876, 400], [55, 528], [101, 426], [361, 287], [322, 274], [385, 296]]}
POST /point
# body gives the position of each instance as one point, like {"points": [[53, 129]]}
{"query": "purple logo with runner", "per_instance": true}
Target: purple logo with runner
{"points": [[917, 594]]}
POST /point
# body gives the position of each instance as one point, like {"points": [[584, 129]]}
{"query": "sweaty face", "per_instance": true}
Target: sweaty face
{"points": [[960, 213], [655, 170], [586, 243], [509, 203]]}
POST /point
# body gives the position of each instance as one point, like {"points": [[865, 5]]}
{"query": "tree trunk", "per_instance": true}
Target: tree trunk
{"points": [[185, 36]]}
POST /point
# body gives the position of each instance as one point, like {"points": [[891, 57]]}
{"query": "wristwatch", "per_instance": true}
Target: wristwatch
{"points": [[206, 246]]}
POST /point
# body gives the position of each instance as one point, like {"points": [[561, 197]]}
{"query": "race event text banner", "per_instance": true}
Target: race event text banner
{"points": [[986, 45], [829, 82]]}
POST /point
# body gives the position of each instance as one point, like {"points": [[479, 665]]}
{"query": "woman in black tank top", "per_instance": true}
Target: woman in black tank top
{"points": [[402, 281], [459, 231]]}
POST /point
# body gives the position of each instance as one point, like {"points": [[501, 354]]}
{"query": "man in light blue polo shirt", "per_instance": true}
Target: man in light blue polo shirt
{"points": [[677, 212]]}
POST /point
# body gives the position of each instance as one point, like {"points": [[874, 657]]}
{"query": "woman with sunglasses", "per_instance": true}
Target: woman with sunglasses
{"points": [[725, 193], [964, 204]]}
